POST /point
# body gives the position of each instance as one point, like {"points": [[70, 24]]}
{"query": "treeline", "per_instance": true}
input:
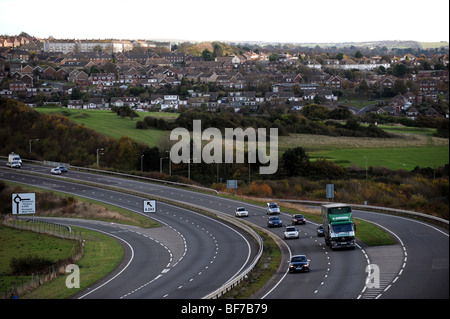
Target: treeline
{"points": [[400, 190], [57, 138]]}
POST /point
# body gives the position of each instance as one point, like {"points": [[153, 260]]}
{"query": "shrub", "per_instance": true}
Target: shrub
{"points": [[29, 265]]}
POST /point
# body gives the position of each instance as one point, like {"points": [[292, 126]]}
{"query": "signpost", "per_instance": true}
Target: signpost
{"points": [[330, 191], [232, 183], [23, 203], [149, 206]]}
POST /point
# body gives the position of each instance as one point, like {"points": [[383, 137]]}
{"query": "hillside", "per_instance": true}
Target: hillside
{"points": [[57, 138]]}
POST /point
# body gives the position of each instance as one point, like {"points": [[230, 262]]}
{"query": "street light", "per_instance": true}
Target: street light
{"points": [[36, 139], [189, 167], [160, 163], [142, 164], [99, 149], [366, 165], [170, 164]]}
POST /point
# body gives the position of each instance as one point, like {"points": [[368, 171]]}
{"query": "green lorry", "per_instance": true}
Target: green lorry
{"points": [[338, 227]]}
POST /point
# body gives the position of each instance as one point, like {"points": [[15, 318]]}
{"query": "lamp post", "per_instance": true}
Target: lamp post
{"points": [[170, 164], [99, 149], [142, 163], [366, 165], [189, 168], [160, 163], [36, 139]]}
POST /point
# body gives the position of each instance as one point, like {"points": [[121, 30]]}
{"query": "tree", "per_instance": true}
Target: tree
{"points": [[363, 87], [273, 57], [399, 70], [208, 55], [358, 54], [296, 162], [315, 111], [339, 56], [399, 87]]}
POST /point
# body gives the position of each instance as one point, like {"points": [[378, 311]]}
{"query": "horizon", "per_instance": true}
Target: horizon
{"points": [[234, 21]]}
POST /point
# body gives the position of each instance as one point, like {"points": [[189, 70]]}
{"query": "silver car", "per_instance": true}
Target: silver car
{"points": [[241, 212], [56, 171], [272, 208], [291, 232]]}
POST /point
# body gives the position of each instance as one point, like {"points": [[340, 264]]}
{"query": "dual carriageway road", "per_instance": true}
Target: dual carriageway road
{"points": [[192, 254]]}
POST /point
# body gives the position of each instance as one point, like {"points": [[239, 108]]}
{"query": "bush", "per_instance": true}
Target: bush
{"points": [[141, 125], [29, 265]]}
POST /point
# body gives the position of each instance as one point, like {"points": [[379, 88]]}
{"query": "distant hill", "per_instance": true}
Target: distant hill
{"points": [[388, 44]]}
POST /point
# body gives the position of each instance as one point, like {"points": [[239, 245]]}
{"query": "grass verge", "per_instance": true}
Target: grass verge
{"points": [[266, 267], [101, 255]]}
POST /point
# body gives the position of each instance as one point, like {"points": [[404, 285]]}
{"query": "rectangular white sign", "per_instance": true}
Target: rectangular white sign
{"points": [[149, 206], [23, 203]]}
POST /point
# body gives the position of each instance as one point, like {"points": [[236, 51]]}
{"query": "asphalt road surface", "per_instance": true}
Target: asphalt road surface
{"points": [[417, 267]]}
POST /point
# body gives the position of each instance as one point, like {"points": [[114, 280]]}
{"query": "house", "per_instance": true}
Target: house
{"points": [[17, 86], [335, 81], [107, 79], [278, 98], [130, 101], [77, 76], [412, 113], [431, 112], [387, 82], [49, 73], [28, 80], [28, 69], [173, 57], [94, 103], [75, 104]]}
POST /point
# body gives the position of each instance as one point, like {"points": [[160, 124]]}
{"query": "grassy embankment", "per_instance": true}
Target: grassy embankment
{"points": [[412, 147], [101, 254]]}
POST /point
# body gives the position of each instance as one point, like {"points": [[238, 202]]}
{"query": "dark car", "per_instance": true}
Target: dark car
{"points": [[298, 219], [299, 263], [63, 169], [320, 230], [274, 221]]}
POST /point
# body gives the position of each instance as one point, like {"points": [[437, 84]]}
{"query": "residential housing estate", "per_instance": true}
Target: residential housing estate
{"points": [[100, 74]]}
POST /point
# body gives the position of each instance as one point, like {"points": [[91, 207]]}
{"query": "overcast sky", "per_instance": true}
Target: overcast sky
{"points": [[202, 20]]}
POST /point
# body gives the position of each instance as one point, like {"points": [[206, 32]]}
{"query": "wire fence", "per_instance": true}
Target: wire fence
{"points": [[24, 284]]}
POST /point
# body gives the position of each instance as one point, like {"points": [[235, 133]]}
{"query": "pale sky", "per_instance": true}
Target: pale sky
{"points": [[228, 20]]}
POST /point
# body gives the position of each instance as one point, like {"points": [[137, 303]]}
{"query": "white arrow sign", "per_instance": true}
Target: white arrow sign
{"points": [[149, 206]]}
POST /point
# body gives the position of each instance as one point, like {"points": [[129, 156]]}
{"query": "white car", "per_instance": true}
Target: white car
{"points": [[56, 171], [272, 208], [291, 232], [241, 212], [14, 164]]}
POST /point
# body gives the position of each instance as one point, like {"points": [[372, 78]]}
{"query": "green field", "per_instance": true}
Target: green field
{"points": [[17, 243], [410, 148], [394, 158], [109, 123]]}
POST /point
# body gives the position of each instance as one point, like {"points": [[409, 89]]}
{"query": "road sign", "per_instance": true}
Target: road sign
{"points": [[23, 203], [330, 191], [149, 206], [231, 183]]}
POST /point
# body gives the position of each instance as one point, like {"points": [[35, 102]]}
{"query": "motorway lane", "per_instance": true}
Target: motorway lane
{"points": [[326, 272], [208, 245], [344, 272], [339, 275], [423, 272]]}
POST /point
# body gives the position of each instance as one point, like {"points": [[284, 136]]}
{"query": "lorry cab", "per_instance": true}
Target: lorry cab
{"points": [[338, 228]]}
